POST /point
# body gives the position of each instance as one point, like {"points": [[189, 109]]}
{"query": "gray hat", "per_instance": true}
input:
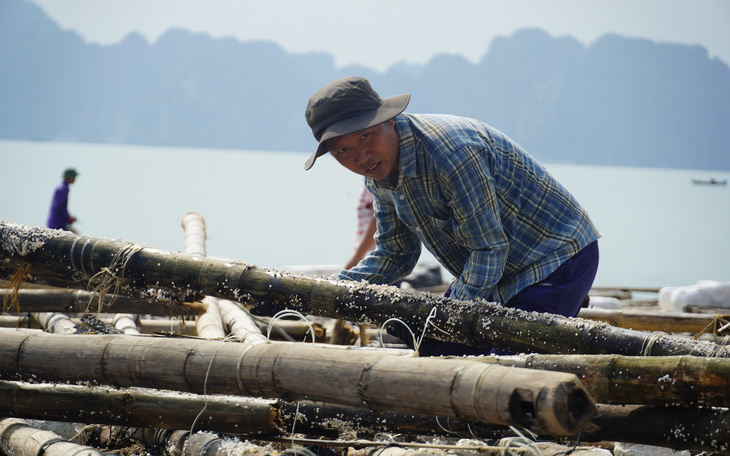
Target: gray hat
{"points": [[345, 106]]}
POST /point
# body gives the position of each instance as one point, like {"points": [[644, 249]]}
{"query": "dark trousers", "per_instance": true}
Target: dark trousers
{"points": [[562, 292]]}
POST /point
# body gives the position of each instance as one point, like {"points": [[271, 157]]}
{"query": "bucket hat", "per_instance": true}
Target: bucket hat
{"points": [[69, 172], [347, 105]]}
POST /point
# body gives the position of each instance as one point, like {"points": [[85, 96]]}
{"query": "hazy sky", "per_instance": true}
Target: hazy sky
{"points": [[378, 33]]}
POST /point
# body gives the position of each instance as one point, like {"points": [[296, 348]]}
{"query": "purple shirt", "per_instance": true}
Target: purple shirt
{"points": [[59, 217]]}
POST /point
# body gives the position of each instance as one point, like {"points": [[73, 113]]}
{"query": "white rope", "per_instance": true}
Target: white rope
{"points": [[416, 342], [518, 445], [287, 313], [205, 387]]}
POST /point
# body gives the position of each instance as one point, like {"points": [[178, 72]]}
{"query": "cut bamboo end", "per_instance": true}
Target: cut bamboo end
{"points": [[551, 404]]}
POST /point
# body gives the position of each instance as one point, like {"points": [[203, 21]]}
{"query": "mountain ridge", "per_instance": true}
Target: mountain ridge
{"points": [[620, 101]]}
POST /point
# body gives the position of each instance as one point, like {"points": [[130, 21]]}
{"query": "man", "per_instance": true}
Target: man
{"points": [[59, 218], [487, 211]]}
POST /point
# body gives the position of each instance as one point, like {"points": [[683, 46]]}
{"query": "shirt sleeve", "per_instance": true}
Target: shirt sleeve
{"points": [[396, 252], [476, 222]]}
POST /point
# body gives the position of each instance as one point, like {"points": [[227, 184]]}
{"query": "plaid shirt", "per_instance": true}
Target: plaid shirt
{"points": [[487, 211]]}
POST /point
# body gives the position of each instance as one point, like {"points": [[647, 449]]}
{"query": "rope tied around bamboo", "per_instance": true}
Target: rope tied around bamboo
{"points": [[101, 265], [108, 277]]}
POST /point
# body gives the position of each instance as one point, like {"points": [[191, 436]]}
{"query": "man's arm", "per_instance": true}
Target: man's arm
{"points": [[396, 253]]}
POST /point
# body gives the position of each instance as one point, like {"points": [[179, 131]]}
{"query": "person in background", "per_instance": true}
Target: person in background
{"points": [[488, 211], [366, 227], [59, 218]]}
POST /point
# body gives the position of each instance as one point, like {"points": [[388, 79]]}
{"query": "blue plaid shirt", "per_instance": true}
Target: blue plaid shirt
{"points": [[487, 211]]}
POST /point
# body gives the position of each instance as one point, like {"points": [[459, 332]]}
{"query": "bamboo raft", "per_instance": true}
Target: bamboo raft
{"points": [[225, 381]]}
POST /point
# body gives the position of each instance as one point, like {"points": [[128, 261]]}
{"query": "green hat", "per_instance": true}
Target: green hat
{"points": [[69, 172]]}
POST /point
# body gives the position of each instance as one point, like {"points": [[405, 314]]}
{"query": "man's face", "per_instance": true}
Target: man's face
{"points": [[372, 152]]}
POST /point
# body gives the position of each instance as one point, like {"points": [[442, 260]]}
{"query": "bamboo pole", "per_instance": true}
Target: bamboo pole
{"points": [[237, 415], [655, 380], [24, 321], [137, 269], [139, 407], [194, 227], [219, 312], [126, 323], [324, 419], [695, 429], [18, 437], [159, 409], [57, 323], [81, 301], [296, 330], [650, 321], [240, 324], [210, 323], [550, 401], [197, 444], [160, 325], [507, 446]]}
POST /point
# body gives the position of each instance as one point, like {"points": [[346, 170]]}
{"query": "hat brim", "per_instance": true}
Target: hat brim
{"points": [[389, 108]]}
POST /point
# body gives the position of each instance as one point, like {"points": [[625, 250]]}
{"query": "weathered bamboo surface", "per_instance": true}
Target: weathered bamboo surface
{"points": [[18, 437], [240, 324], [81, 301], [544, 448], [650, 321], [649, 380], [257, 417], [293, 329], [194, 227], [139, 407], [679, 428], [698, 429], [210, 323], [551, 402], [219, 313], [59, 256], [126, 323], [57, 323]]}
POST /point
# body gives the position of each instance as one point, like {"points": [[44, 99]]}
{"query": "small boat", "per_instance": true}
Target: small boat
{"points": [[711, 181]]}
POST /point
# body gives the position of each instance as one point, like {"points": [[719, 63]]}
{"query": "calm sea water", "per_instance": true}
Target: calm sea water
{"points": [[657, 227]]}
